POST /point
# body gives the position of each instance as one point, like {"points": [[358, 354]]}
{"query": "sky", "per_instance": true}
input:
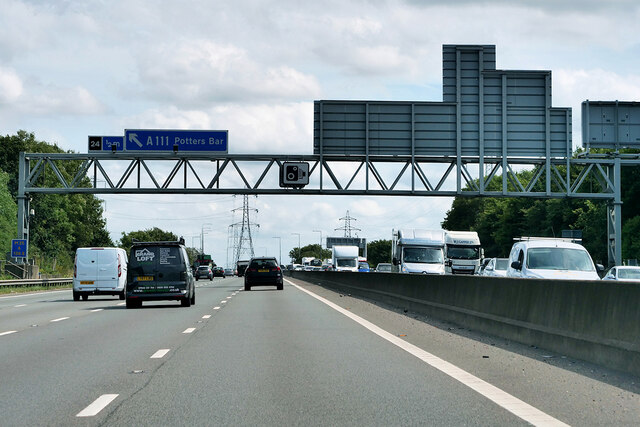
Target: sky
{"points": [[69, 69]]}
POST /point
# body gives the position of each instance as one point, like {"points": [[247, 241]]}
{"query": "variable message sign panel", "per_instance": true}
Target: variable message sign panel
{"points": [[610, 124]]}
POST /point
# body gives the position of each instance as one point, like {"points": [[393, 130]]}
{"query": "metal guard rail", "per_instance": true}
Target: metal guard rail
{"points": [[19, 283]]}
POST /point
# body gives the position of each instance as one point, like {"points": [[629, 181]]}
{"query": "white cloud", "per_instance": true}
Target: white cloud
{"points": [[53, 99], [11, 87]]}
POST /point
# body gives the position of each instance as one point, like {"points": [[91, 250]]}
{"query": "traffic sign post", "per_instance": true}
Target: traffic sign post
{"points": [[168, 140], [19, 248]]}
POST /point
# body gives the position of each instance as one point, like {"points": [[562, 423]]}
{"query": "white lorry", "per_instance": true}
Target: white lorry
{"points": [[345, 258], [418, 251], [462, 252]]}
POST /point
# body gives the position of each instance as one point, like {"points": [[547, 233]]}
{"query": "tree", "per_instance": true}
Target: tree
{"points": [[154, 234], [8, 214], [315, 251], [378, 251]]}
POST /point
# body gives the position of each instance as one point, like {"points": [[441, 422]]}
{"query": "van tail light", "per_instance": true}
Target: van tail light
{"points": [[75, 270], [119, 266]]}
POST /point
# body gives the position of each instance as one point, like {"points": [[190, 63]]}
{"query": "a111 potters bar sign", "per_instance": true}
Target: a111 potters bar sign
{"points": [[173, 140]]}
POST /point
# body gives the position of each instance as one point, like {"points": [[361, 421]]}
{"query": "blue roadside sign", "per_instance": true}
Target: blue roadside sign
{"points": [[171, 140], [105, 143], [18, 248]]}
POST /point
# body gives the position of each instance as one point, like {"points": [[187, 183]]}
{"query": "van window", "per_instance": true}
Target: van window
{"points": [[502, 264], [346, 262], [423, 255], [559, 259]]}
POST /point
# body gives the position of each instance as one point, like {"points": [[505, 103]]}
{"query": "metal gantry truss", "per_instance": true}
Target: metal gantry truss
{"points": [[586, 177]]}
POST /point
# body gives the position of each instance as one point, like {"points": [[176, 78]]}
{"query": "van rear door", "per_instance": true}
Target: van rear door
{"points": [[107, 271], [87, 266]]}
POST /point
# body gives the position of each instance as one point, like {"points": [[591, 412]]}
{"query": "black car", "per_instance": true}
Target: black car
{"points": [[263, 272], [218, 272], [204, 271], [159, 271]]}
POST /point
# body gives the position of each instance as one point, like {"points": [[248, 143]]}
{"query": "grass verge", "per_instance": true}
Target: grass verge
{"points": [[8, 290]]}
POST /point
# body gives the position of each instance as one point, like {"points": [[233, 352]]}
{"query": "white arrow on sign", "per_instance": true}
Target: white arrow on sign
{"points": [[134, 137]]}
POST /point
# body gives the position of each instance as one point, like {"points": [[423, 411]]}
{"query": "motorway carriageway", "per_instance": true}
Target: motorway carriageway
{"points": [[305, 355]]}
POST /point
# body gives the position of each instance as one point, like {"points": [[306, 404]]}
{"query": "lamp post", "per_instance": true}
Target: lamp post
{"points": [[319, 231], [280, 248], [299, 253]]}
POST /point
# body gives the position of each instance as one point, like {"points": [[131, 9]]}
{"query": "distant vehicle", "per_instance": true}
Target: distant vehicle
{"points": [[418, 251], [384, 267], [228, 272], [99, 271], [263, 272], [241, 266], [623, 273], [159, 271], [551, 259], [345, 258], [308, 263], [363, 267], [462, 252], [496, 267], [297, 267], [218, 272], [203, 272]]}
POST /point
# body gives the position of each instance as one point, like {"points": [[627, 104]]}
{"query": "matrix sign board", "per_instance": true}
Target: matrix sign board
{"points": [[106, 143], [18, 248], [610, 124], [169, 140], [346, 241]]}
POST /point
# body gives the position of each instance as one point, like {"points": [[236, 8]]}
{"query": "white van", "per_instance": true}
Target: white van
{"points": [[99, 271], [551, 259]]}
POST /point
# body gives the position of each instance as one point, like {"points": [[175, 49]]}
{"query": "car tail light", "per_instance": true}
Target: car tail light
{"points": [[275, 269]]}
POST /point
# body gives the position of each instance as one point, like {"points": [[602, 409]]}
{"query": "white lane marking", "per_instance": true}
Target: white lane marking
{"points": [[188, 330], [96, 310], [223, 302], [229, 297], [60, 319], [98, 405], [20, 305], [216, 308], [491, 392], [206, 316], [32, 294], [122, 303], [160, 353], [7, 333]]}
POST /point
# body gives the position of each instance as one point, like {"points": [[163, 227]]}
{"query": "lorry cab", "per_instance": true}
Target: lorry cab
{"points": [[549, 258], [418, 251], [463, 252], [345, 258]]}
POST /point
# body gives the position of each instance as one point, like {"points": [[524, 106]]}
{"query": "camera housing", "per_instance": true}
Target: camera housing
{"points": [[294, 174]]}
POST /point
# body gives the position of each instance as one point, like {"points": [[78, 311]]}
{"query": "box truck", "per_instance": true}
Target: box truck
{"points": [[345, 258], [418, 251]]}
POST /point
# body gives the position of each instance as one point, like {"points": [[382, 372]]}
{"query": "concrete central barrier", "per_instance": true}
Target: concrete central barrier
{"points": [[594, 321]]}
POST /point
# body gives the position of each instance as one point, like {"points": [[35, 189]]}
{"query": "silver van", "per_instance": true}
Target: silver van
{"points": [[99, 271]]}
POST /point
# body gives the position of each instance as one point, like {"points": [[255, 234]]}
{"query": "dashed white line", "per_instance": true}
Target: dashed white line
{"points": [[206, 316], [229, 297], [160, 353], [98, 405], [188, 330], [122, 303], [216, 308], [223, 302], [500, 397], [20, 305], [96, 310], [60, 319], [7, 333]]}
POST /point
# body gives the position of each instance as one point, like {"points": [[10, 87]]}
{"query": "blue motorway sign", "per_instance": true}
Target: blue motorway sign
{"points": [[171, 140], [18, 248], [105, 143]]}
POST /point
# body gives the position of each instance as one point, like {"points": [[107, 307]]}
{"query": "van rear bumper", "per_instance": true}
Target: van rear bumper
{"points": [[169, 296], [98, 291]]}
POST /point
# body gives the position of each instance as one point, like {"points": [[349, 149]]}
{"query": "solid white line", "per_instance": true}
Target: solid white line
{"points": [[96, 310], [206, 316], [32, 294], [60, 319], [216, 308], [491, 392], [98, 405], [160, 353], [188, 330], [20, 305], [7, 333]]}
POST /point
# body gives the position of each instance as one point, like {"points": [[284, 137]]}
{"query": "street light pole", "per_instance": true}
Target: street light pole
{"points": [[299, 253], [202, 232], [280, 248], [319, 231]]}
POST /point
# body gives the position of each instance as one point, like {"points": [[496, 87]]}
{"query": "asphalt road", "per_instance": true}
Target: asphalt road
{"points": [[270, 357]]}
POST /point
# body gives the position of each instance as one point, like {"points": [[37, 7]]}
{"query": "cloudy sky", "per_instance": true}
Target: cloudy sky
{"points": [[69, 69]]}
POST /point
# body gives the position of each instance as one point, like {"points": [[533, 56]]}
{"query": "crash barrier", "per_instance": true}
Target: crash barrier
{"points": [[35, 282], [598, 322]]}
